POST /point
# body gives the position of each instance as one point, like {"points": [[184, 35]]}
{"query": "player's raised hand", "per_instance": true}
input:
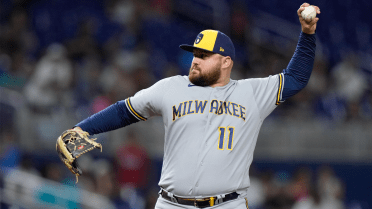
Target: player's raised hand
{"points": [[308, 26]]}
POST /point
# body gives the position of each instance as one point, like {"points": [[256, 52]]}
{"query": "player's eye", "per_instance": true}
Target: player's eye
{"points": [[201, 55]]}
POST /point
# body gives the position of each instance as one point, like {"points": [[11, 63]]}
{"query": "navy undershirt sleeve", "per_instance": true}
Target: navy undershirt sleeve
{"points": [[298, 71], [113, 117]]}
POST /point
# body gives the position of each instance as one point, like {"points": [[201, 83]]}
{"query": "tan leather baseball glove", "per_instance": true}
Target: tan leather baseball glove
{"points": [[71, 145]]}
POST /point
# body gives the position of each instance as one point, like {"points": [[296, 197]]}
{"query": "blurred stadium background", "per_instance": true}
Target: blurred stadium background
{"points": [[63, 60]]}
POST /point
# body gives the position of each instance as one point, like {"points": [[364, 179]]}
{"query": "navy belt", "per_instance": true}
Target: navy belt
{"points": [[200, 202]]}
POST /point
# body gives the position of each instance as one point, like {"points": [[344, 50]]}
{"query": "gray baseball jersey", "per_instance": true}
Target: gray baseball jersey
{"points": [[210, 133]]}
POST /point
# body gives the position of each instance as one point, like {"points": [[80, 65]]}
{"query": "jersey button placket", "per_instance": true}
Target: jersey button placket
{"points": [[201, 154]]}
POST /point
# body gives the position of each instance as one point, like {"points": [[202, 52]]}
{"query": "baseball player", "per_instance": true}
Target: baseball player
{"points": [[211, 121]]}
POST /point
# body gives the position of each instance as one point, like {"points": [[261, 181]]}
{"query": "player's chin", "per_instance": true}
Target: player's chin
{"points": [[194, 78]]}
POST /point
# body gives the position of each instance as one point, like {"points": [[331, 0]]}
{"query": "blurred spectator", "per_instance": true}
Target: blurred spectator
{"points": [[104, 184], [86, 80], [99, 103], [118, 199], [18, 46], [281, 200], [162, 7], [53, 171], [48, 93], [132, 162], [270, 189], [117, 83], [134, 198], [126, 74], [277, 196], [122, 11], [10, 153], [330, 186], [16, 36], [104, 181], [301, 183], [84, 44], [49, 85], [325, 194], [315, 201], [240, 21], [349, 84], [102, 171]]}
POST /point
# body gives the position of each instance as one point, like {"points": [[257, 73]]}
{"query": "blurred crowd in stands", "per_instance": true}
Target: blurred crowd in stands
{"points": [[61, 61], [125, 181]]}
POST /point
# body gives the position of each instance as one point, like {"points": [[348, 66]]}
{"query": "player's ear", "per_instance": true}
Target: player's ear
{"points": [[227, 62]]}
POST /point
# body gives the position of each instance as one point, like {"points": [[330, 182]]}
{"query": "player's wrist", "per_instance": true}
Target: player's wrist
{"points": [[308, 34], [308, 30], [77, 128]]}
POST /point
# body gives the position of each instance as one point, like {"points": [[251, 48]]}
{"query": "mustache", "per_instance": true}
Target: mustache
{"points": [[195, 68]]}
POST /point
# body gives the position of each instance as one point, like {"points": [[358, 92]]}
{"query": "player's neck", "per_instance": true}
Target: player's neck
{"points": [[222, 82]]}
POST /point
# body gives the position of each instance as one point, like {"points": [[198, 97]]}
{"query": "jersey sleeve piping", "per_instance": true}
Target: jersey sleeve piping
{"points": [[280, 89], [132, 111]]}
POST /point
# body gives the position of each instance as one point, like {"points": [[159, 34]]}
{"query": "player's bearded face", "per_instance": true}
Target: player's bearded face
{"points": [[204, 78], [205, 75]]}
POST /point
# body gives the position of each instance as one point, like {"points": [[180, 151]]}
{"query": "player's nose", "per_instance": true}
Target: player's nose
{"points": [[195, 61]]}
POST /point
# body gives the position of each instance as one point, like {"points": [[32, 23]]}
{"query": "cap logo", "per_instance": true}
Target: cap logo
{"points": [[221, 49], [199, 38]]}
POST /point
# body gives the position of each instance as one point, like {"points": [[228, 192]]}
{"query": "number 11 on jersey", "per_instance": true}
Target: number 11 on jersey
{"points": [[230, 135]]}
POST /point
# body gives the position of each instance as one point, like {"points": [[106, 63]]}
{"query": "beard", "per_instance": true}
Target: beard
{"points": [[205, 79]]}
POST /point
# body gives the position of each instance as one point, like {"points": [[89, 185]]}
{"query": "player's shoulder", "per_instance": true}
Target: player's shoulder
{"points": [[165, 84], [181, 78], [257, 80], [173, 79], [177, 79]]}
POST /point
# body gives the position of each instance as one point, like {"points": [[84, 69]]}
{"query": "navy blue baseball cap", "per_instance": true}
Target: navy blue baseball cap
{"points": [[213, 41]]}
